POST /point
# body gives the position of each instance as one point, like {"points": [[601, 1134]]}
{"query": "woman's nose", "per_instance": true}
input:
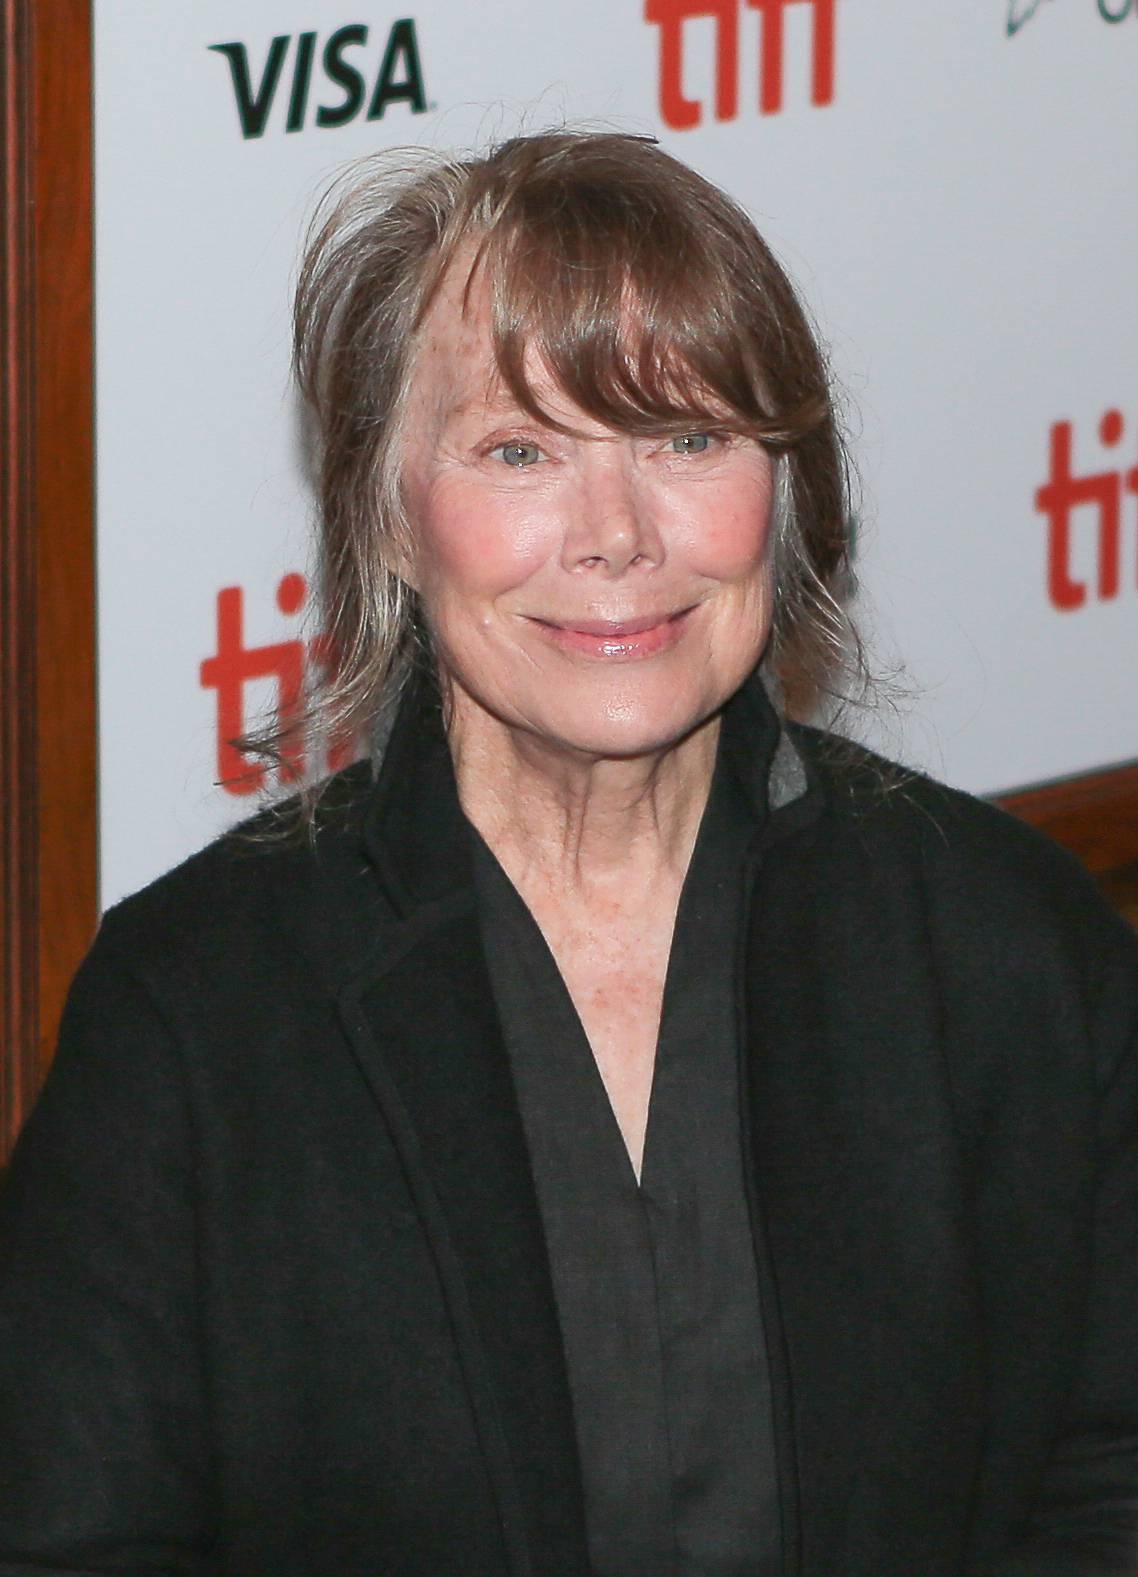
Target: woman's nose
{"points": [[612, 526]]}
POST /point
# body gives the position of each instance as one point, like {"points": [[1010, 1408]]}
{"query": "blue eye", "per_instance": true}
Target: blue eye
{"points": [[691, 443], [518, 454]]}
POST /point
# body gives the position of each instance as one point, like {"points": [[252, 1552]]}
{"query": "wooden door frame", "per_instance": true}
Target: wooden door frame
{"points": [[48, 753], [48, 823]]}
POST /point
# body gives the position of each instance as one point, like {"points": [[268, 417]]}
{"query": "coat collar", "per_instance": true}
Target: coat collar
{"points": [[414, 829]]}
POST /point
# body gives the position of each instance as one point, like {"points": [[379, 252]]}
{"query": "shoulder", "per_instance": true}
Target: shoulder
{"points": [[880, 802], [251, 890], [984, 874], [1003, 931], [202, 986]]}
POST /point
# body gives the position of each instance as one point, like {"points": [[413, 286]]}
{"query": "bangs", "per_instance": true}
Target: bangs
{"points": [[634, 316]]}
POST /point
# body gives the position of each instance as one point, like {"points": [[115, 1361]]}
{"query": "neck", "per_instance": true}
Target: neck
{"points": [[578, 823]]}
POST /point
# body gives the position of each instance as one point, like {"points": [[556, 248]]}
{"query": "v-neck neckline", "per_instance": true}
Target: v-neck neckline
{"points": [[727, 823]]}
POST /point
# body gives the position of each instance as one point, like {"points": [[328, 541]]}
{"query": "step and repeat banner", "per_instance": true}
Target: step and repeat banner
{"points": [[954, 188]]}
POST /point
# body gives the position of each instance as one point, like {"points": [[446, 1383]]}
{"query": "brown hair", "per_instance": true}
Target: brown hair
{"points": [[647, 294]]}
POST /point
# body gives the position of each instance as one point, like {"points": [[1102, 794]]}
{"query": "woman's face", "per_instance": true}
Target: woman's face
{"points": [[603, 593]]}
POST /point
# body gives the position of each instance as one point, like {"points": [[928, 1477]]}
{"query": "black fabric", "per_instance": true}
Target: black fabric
{"points": [[656, 1284], [274, 1294]]}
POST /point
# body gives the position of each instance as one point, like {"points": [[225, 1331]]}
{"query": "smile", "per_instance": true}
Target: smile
{"points": [[616, 640]]}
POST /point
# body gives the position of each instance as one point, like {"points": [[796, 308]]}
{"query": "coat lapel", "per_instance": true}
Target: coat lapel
{"points": [[422, 1021], [863, 1226]]}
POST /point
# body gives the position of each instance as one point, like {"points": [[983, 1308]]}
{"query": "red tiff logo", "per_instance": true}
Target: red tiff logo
{"points": [[1063, 493], [288, 665], [669, 16]]}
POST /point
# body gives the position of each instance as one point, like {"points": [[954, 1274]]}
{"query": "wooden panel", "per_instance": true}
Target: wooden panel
{"points": [[17, 583], [48, 874]]}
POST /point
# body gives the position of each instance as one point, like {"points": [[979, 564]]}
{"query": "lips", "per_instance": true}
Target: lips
{"points": [[613, 628], [615, 640]]}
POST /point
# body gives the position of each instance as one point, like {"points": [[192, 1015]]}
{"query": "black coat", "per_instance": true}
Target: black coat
{"points": [[275, 1298]]}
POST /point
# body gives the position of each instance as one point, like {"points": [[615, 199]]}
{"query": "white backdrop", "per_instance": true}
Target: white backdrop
{"points": [[954, 188]]}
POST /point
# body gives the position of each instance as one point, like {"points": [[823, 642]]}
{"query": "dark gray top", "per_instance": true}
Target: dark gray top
{"points": [[656, 1285]]}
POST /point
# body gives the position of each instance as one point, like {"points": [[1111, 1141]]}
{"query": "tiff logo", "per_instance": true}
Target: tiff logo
{"points": [[289, 664], [1063, 493], [669, 16]]}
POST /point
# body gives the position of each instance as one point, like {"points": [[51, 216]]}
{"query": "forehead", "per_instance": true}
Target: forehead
{"points": [[455, 364]]}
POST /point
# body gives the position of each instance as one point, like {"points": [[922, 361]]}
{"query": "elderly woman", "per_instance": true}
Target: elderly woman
{"points": [[625, 1132]]}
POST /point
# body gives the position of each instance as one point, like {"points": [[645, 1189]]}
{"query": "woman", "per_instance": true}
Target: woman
{"points": [[629, 1133]]}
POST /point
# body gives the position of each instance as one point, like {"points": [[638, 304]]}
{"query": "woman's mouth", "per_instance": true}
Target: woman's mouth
{"points": [[616, 639]]}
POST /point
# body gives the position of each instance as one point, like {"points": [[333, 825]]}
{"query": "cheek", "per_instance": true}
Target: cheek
{"points": [[732, 542], [471, 547], [725, 523]]}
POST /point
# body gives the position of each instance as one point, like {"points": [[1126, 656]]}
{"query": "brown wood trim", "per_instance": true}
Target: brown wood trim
{"points": [[17, 584], [1095, 815], [48, 829]]}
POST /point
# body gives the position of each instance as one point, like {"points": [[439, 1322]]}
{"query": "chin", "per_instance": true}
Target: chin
{"points": [[621, 732]]}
